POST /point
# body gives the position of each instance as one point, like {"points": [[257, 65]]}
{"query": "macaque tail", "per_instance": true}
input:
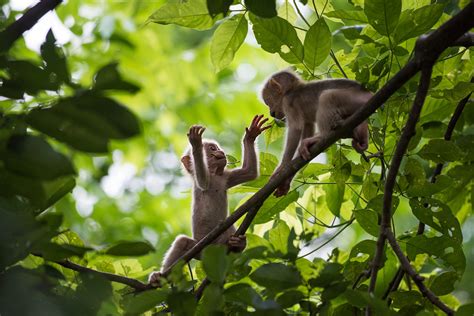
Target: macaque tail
{"points": [[360, 137]]}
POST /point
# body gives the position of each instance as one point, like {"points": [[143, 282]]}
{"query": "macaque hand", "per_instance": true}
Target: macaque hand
{"points": [[256, 128], [283, 188], [305, 146], [154, 279], [237, 243], [195, 135]]}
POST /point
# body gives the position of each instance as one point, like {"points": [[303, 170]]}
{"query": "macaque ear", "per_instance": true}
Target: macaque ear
{"points": [[275, 84], [186, 161]]}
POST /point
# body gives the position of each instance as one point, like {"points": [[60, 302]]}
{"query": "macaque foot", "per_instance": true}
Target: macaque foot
{"points": [[305, 146], [154, 278], [237, 243]]}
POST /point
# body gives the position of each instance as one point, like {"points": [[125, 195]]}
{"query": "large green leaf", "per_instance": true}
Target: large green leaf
{"points": [[273, 206], [85, 122], [130, 248], [440, 150], [227, 39], [55, 60], [215, 262], [109, 78], [334, 197], [32, 156], [438, 216], [276, 276], [216, 7], [414, 23], [442, 247], [276, 35], [193, 14], [262, 8], [142, 302], [368, 220], [383, 15], [317, 44]]}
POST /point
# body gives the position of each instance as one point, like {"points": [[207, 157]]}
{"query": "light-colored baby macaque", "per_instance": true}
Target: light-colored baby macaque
{"points": [[326, 103], [206, 162]]}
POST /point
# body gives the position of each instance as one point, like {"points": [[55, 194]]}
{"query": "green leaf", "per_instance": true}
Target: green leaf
{"points": [[55, 59], [242, 293], [216, 7], [55, 252], [334, 197], [139, 303], [262, 8], [361, 299], [404, 298], [227, 39], [276, 35], [276, 276], [278, 237], [465, 310], [351, 15], [212, 301], [289, 298], [108, 78], [383, 15], [328, 275], [215, 262], [130, 248], [438, 216], [27, 76], [182, 303], [376, 203], [368, 220], [273, 206], [85, 122], [443, 283], [193, 14], [442, 247], [440, 151], [417, 22], [317, 44], [32, 156]]}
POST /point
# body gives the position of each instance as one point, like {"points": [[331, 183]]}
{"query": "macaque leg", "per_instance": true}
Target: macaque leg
{"points": [[180, 245], [360, 137]]}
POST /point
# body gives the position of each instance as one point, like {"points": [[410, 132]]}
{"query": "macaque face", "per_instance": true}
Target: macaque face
{"points": [[216, 158], [272, 96]]}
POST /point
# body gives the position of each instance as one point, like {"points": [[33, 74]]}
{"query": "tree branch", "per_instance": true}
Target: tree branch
{"points": [[402, 145], [134, 283], [27, 21], [395, 283]]}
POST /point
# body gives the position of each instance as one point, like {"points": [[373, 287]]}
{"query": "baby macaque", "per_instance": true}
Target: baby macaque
{"points": [[205, 162], [326, 103]]}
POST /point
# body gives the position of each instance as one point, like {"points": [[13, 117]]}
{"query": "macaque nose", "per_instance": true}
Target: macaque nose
{"points": [[219, 155]]}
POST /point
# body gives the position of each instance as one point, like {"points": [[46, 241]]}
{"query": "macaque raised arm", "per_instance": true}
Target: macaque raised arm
{"points": [[249, 169], [201, 172]]}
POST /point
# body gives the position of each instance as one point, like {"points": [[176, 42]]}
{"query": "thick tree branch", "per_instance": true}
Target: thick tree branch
{"points": [[440, 39], [400, 150], [467, 40], [15, 30], [395, 283]]}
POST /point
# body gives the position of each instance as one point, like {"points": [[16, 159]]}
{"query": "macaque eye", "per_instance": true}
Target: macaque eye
{"points": [[213, 148]]}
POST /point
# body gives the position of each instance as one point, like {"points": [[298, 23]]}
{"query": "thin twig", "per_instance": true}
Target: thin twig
{"points": [[137, 285]]}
